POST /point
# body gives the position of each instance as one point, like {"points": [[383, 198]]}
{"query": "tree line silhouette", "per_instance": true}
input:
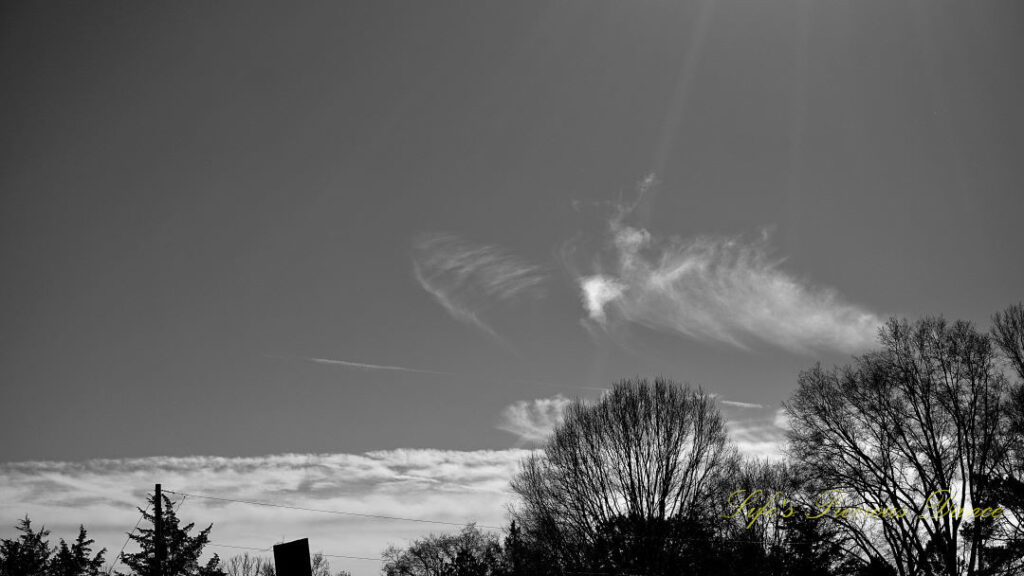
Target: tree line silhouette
{"points": [[907, 461]]}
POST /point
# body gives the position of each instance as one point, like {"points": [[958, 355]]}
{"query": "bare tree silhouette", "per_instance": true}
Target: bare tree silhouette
{"points": [[919, 423], [625, 483]]}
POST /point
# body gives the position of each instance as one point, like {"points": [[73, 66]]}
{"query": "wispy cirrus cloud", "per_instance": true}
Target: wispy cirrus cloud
{"points": [[534, 420], [721, 289], [443, 485], [467, 278]]}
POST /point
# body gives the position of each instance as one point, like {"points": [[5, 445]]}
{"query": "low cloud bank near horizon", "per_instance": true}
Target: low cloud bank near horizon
{"points": [[717, 289], [450, 486]]}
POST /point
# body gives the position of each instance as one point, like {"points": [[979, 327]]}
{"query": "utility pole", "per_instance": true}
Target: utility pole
{"points": [[158, 533]]}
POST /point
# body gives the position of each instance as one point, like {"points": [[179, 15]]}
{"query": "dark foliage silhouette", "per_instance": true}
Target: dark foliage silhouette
{"points": [[31, 554], [468, 553], [183, 549]]}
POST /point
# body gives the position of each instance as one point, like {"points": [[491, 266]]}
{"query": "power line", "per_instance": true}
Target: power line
{"points": [[236, 547], [181, 502], [352, 557], [185, 495], [336, 512], [215, 545], [426, 521], [128, 539]]}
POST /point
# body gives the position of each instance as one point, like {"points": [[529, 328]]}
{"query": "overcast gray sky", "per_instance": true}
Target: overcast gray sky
{"points": [[244, 229]]}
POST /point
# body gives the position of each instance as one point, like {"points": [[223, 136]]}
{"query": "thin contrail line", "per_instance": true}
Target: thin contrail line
{"points": [[405, 369], [365, 366], [742, 404]]}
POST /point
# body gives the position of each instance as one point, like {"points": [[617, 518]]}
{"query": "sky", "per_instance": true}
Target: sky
{"points": [[359, 255]]}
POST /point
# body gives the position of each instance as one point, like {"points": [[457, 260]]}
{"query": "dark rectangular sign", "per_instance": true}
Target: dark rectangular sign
{"points": [[292, 558]]}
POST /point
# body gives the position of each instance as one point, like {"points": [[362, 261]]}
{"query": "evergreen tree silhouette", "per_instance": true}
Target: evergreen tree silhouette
{"points": [[28, 554], [77, 560], [183, 549]]}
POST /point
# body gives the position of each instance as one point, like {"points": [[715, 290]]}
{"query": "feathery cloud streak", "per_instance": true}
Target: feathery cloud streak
{"points": [[535, 420], [721, 289], [467, 278]]}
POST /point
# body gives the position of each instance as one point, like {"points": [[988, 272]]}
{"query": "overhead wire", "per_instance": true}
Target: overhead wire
{"points": [[128, 539], [253, 548], [336, 512]]}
